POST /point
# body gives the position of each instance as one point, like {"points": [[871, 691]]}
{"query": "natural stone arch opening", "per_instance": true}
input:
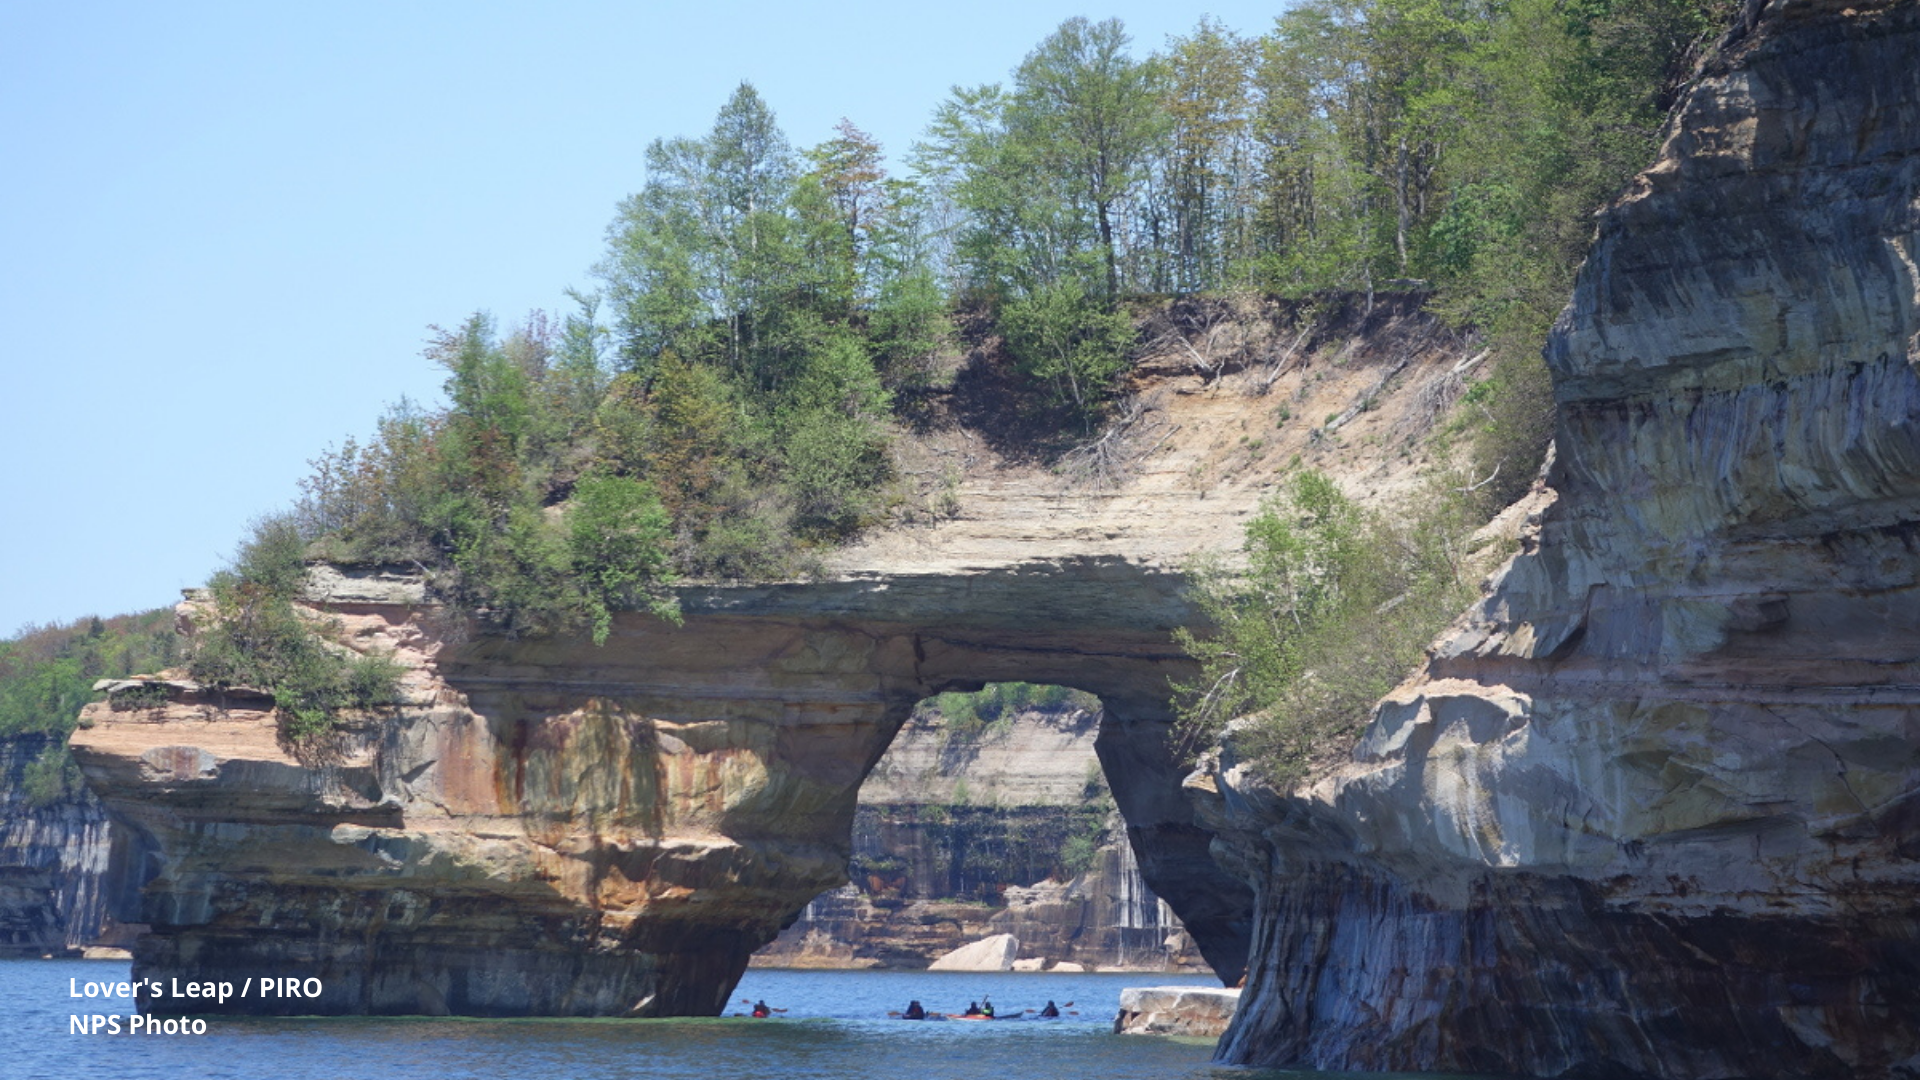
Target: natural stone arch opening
{"points": [[555, 828], [990, 816]]}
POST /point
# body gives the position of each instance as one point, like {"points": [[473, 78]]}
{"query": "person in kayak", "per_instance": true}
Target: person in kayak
{"points": [[973, 1009], [1052, 1011], [761, 1011], [914, 1012], [986, 1008]]}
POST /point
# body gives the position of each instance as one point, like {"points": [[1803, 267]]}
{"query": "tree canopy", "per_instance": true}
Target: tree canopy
{"points": [[724, 403]]}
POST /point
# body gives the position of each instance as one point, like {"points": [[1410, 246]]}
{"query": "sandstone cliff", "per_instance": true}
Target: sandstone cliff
{"points": [[550, 827], [1654, 807]]}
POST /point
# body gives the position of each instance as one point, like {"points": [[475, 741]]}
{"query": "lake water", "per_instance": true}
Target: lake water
{"points": [[835, 1028]]}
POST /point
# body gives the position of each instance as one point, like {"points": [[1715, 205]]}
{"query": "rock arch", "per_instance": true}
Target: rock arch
{"points": [[553, 828]]}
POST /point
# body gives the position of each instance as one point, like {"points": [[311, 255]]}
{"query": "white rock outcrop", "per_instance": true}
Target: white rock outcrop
{"points": [[1199, 1011], [995, 953]]}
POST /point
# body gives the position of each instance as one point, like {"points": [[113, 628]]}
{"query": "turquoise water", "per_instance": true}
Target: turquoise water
{"points": [[835, 1027]]}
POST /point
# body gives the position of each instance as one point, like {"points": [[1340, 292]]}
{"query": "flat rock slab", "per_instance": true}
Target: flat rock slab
{"points": [[1200, 1011]]}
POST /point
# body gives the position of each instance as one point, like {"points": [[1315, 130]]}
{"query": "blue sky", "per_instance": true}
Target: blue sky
{"points": [[224, 229]]}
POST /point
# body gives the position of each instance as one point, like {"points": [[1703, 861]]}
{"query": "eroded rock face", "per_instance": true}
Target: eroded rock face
{"points": [[1193, 1011], [965, 833], [1653, 810]]}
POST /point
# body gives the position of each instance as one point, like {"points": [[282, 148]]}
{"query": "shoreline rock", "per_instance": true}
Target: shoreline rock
{"points": [[995, 953], [1195, 1011]]}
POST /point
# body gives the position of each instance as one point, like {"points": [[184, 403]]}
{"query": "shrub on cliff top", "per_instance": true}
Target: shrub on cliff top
{"points": [[254, 636]]}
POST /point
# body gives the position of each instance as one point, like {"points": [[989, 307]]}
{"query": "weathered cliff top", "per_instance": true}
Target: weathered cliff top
{"points": [[1199, 443], [1037, 758], [1230, 398]]}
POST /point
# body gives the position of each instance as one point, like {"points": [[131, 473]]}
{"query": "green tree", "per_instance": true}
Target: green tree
{"points": [[851, 179], [663, 273], [579, 363], [1206, 158], [1062, 337], [833, 444], [706, 242], [1084, 111], [618, 548], [47, 672]]}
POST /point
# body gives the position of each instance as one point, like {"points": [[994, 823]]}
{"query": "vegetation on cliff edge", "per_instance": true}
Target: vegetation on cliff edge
{"points": [[1334, 605], [252, 634]]}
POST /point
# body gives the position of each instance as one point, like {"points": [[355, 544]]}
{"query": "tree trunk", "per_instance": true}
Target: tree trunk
{"points": [[1106, 241], [1400, 200]]}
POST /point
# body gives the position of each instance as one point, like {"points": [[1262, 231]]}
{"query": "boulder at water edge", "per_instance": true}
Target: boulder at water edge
{"points": [[994, 953]]}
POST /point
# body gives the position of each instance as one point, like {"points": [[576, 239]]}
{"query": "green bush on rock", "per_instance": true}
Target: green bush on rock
{"points": [[255, 636], [1334, 606]]}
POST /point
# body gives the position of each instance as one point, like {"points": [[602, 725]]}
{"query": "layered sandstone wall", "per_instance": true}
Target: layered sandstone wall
{"points": [[550, 827], [1653, 809]]}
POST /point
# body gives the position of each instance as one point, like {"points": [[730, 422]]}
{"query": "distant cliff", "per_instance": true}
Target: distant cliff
{"points": [[1653, 809], [965, 834], [53, 856]]}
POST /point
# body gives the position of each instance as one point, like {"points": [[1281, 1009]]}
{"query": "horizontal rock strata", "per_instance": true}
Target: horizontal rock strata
{"points": [[547, 827], [53, 858], [963, 833]]}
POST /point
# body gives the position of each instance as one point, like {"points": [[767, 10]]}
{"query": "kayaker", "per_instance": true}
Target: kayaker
{"points": [[914, 1012], [973, 1009], [761, 1011], [986, 1008], [1052, 1011]]}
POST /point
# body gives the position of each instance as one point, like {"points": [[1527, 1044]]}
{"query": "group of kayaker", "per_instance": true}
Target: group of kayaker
{"points": [[976, 1010]]}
